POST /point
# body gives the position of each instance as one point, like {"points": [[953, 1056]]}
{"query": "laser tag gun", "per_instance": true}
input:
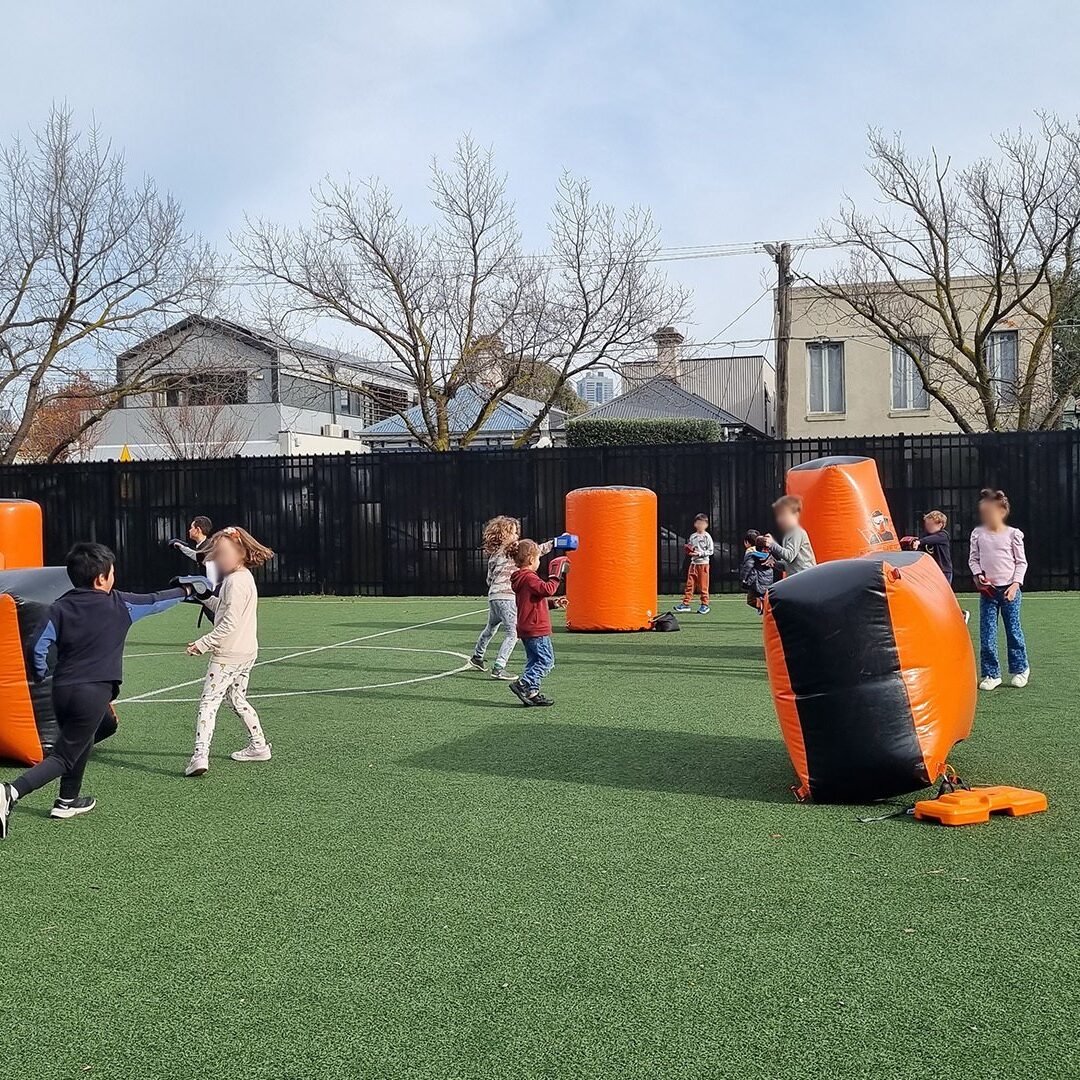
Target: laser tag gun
{"points": [[983, 586], [565, 542], [558, 567], [760, 549], [201, 589], [909, 543]]}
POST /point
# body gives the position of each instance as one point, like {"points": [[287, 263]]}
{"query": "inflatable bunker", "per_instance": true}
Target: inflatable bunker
{"points": [[613, 573], [872, 674], [27, 723], [844, 508]]}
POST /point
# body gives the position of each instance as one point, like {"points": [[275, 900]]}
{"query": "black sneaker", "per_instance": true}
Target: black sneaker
{"points": [[520, 692], [5, 809], [476, 663], [67, 808], [539, 699]]}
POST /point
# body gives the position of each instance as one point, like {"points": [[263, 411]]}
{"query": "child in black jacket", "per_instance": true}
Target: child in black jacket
{"points": [[88, 626], [757, 569]]}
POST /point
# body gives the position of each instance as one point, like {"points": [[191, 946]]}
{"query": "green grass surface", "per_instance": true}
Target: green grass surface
{"points": [[431, 881]]}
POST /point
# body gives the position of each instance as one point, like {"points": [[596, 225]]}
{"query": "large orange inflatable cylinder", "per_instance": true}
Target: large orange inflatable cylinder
{"points": [[21, 543], [872, 674], [844, 508], [612, 580]]}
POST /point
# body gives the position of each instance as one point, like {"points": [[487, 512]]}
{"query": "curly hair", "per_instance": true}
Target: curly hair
{"points": [[255, 554], [499, 532], [993, 495]]}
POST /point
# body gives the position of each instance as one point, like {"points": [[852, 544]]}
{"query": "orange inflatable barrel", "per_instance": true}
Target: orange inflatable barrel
{"points": [[20, 534], [872, 674], [612, 580], [844, 508]]}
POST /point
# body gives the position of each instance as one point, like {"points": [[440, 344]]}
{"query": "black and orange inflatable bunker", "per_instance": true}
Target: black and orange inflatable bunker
{"points": [[27, 722], [872, 673], [844, 507], [613, 573]]}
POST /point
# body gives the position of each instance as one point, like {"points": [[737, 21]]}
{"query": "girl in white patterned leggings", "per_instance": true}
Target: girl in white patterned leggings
{"points": [[233, 644]]}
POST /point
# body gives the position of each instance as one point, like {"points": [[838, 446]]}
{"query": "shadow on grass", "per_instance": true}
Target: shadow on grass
{"points": [[723, 766]]}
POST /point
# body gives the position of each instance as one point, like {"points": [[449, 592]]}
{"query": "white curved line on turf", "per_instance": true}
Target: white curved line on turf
{"points": [[308, 652], [335, 689]]}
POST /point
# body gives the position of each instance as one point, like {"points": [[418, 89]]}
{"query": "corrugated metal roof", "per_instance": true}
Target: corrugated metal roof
{"points": [[513, 413], [661, 398]]}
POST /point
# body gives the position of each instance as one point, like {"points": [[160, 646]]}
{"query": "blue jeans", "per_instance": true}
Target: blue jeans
{"points": [[539, 660], [988, 634]]}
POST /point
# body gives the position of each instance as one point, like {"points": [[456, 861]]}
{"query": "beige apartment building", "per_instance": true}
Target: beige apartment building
{"points": [[845, 378]]}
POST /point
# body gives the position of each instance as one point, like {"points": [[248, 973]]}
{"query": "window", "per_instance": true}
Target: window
{"points": [[908, 391], [1001, 352], [825, 360], [203, 388]]}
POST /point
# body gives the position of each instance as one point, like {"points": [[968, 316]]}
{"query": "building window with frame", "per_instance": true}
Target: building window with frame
{"points": [[909, 393], [1001, 351], [825, 370]]}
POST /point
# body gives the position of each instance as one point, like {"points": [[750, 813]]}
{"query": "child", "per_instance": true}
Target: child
{"points": [[999, 563], [756, 570], [234, 644], [936, 542], [700, 549], [795, 553], [499, 534], [534, 618], [88, 626]]}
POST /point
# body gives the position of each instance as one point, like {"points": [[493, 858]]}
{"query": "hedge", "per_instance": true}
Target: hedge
{"points": [[600, 431]]}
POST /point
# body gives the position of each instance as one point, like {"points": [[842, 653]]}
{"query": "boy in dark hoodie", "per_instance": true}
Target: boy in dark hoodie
{"points": [[88, 626], [531, 594], [757, 570]]}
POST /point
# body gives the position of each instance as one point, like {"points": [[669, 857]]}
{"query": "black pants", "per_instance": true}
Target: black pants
{"points": [[82, 711]]}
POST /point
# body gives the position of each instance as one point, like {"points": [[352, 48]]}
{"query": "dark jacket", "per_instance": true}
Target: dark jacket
{"points": [[88, 628], [939, 547], [756, 574], [531, 593]]}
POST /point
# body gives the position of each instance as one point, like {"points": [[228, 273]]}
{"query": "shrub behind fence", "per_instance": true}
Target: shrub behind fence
{"points": [[400, 524]]}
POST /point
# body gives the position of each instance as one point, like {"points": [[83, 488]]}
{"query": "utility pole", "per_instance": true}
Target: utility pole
{"points": [[781, 255]]}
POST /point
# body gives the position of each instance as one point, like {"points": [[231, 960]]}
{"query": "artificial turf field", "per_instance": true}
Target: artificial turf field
{"points": [[429, 880]]}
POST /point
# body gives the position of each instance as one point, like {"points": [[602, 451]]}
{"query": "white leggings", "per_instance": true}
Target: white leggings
{"points": [[226, 681]]}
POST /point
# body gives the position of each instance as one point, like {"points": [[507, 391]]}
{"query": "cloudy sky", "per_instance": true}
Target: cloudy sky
{"points": [[733, 121]]}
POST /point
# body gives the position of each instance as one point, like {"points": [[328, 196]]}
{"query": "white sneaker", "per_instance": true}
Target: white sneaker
{"points": [[1021, 680], [989, 682], [253, 753], [199, 764], [967, 616]]}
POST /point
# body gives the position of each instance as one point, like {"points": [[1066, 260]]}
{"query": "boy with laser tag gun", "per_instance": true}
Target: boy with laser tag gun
{"points": [[756, 570], [700, 548], [534, 618], [88, 626], [795, 553]]}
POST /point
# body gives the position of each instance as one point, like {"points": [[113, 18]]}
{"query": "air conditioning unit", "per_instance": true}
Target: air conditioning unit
{"points": [[331, 431]]}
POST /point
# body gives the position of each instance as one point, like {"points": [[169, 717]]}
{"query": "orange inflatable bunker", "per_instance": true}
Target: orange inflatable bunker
{"points": [[844, 508], [27, 722], [872, 674], [612, 580], [21, 542]]}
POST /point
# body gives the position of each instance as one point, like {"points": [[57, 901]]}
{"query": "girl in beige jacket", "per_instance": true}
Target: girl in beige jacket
{"points": [[234, 646]]}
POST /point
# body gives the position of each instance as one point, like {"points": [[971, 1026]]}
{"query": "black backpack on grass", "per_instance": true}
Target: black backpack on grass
{"points": [[666, 623]]}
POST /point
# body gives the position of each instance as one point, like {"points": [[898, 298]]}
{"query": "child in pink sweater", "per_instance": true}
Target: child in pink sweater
{"points": [[999, 563]]}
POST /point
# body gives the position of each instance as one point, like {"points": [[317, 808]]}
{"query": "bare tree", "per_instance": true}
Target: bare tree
{"points": [[460, 303], [190, 431], [88, 264], [959, 253]]}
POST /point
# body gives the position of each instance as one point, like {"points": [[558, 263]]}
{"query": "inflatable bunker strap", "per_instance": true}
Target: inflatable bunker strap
{"points": [[844, 507], [872, 675], [974, 806], [27, 722], [612, 586]]}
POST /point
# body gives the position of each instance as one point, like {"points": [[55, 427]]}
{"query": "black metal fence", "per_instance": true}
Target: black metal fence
{"points": [[400, 524]]}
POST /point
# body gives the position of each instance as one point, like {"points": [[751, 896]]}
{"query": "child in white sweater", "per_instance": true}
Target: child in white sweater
{"points": [[234, 645]]}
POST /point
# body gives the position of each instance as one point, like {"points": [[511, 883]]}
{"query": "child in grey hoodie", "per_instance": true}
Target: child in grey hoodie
{"points": [[795, 553]]}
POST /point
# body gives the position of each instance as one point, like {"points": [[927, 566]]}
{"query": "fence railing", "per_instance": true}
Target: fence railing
{"points": [[400, 524]]}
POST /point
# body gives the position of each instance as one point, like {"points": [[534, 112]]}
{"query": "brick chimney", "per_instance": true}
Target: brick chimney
{"points": [[668, 342]]}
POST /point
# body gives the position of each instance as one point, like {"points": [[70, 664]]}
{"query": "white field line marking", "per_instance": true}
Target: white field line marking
{"points": [[308, 652], [333, 689]]}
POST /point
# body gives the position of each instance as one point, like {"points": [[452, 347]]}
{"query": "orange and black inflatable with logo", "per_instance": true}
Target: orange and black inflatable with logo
{"points": [[613, 573], [844, 508], [27, 722], [872, 675]]}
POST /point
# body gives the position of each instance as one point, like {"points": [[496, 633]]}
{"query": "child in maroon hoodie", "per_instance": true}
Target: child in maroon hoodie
{"points": [[533, 618]]}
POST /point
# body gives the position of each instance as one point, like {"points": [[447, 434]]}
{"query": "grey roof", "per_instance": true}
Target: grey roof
{"points": [[661, 398], [513, 414]]}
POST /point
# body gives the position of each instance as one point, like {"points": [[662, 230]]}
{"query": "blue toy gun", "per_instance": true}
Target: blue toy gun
{"points": [[566, 542]]}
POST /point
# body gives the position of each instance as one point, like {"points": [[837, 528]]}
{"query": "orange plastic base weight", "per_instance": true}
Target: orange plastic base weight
{"points": [[975, 806]]}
